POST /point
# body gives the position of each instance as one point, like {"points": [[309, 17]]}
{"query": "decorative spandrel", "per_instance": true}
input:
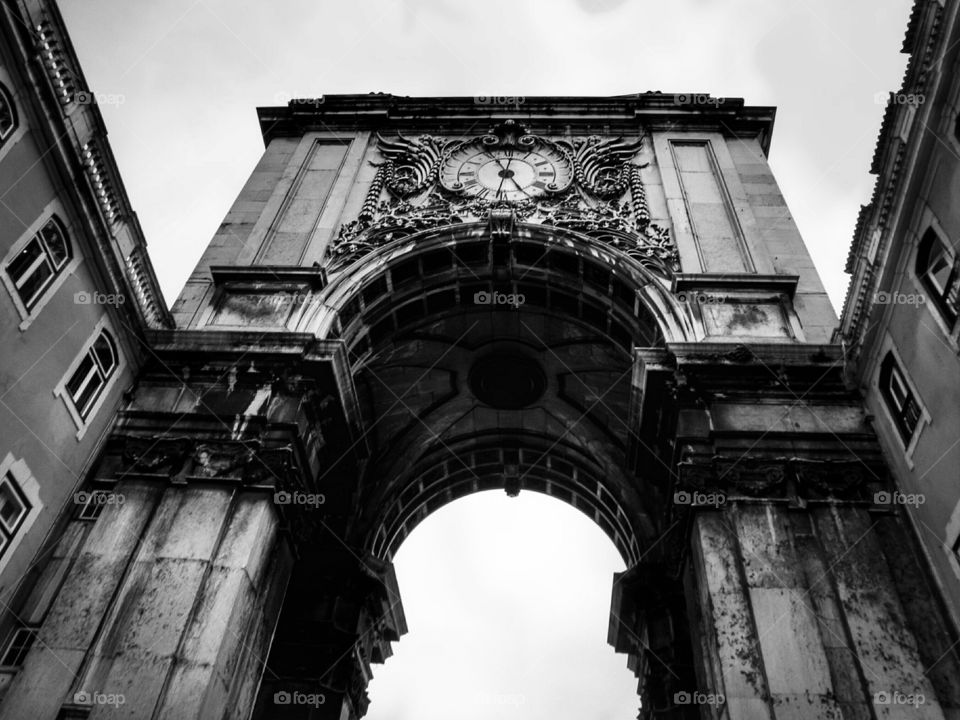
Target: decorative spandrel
{"points": [[591, 185]]}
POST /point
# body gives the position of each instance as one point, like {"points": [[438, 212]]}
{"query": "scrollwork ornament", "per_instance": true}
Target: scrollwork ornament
{"points": [[602, 165], [411, 164], [419, 199]]}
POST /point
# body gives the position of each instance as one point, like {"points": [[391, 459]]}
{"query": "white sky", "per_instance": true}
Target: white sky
{"points": [[187, 76]]}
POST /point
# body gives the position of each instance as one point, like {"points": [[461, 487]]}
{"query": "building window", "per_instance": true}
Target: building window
{"points": [[19, 645], [8, 114], [88, 381], [937, 269], [93, 505], [34, 268], [13, 510], [900, 400]]}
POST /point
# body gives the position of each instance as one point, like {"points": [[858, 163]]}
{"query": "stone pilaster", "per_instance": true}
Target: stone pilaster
{"points": [[807, 596], [165, 605], [342, 615], [167, 611], [648, 622]]}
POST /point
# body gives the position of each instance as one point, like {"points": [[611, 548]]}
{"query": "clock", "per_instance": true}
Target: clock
{"points": [[507, 174]]}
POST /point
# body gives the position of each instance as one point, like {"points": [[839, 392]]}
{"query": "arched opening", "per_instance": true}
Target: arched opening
{"points": [[507, 603], [457, 391]]}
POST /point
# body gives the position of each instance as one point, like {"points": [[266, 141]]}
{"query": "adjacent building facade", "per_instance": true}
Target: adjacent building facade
{"points": [[76, 295], [415, 299], [899, 323]]}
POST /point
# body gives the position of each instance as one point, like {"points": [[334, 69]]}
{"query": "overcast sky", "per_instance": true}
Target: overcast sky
{"points": [[486, 581]]}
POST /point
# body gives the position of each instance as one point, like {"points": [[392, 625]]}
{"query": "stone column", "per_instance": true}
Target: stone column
{"points": [[649, 623], [803, 614], [808, 598], [342, 615], [167, 611]]}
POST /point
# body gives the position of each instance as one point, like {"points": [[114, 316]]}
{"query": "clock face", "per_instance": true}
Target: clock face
{"points": [[507, 174]]}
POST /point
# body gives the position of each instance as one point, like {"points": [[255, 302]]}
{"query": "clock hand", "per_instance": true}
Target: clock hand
{"points": [[496, 160], [517, 185]]}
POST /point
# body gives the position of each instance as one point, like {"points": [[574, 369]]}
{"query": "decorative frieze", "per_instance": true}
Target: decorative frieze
{"points": [[789, 479], [580, 185]]}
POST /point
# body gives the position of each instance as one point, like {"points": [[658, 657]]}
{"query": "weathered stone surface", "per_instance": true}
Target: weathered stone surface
{"points": [[882, 643], [45, 679], [139, 679], [730, 619], [766, 544], [792, 652]]}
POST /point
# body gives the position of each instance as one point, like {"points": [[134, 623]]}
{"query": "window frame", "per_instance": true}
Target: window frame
{"points": [[53, 211], [85, 419], [888, 354], [29, 493], [44, 258], [9, 534], [901, 402], [6, 97], [92, 509], [932, 239], [31, 631], [98, 371]]}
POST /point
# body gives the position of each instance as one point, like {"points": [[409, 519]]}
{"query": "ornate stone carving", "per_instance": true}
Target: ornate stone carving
{"points": [[594, 203], [398, 218], [602, 167], [411, 166], [839, 479], [777, 478], [166, 457], [185, 458], [753, 478]]}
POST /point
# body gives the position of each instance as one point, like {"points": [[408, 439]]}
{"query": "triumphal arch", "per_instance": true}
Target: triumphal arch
{"points": [[414, 299]]}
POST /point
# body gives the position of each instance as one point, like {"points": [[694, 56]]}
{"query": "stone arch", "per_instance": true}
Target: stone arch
{"points": [[635, 288], [407, 313], [532, 463]]}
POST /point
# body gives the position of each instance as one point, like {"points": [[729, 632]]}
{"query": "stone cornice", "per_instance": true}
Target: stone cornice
{"points": [[558, 115], [74, 138], [894, 157]]}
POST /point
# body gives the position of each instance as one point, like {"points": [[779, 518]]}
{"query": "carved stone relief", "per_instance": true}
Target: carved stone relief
{"points": [[591, 185]]}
